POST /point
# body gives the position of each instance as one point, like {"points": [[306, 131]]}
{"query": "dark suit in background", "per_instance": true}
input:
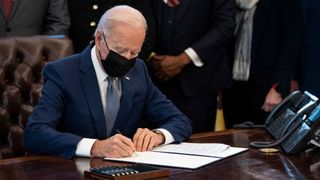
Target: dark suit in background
{"points": [[308, 69], [207, 27], [276, 43], [36, 17], [85, 15]]}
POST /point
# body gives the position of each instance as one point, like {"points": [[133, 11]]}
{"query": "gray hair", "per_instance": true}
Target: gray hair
{"points": [[122, 13]]}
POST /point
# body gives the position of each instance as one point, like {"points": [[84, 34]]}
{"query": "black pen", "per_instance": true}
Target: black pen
{"points": [[134, 152]]}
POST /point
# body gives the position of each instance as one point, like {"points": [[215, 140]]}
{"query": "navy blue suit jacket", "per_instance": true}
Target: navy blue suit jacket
{"points": [[70, 107]]}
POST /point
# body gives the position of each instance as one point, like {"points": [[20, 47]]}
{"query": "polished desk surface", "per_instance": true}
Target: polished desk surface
{"points": [[250, 164]]}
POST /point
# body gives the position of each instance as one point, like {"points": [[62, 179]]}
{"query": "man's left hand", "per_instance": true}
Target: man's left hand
{"points": [[273, 98], [144, 139], [167, 66]]}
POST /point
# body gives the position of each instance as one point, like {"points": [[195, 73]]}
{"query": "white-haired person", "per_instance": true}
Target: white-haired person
{"points": [[89, 98]]}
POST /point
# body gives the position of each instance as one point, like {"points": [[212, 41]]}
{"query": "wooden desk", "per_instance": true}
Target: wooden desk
{"points": [[248, 165]]}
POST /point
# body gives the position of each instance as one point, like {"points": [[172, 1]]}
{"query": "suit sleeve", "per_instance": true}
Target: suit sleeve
{"points": [[291, 43], [41, 135], [57, 19], [223, 23]]}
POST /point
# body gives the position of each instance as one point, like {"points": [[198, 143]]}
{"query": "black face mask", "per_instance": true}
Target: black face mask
{"points": [[116, 65]]}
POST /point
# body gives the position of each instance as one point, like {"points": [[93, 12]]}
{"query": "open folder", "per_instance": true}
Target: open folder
{"points": [[183, 155]]}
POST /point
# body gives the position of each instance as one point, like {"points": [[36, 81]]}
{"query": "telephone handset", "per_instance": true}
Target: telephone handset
{"points": [[293, 122]]}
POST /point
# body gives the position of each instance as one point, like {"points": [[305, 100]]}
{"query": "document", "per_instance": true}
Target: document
{"points": [[183, 155]]}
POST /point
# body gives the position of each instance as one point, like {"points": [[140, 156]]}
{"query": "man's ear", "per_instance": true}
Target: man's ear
{"points": [[97, 38]]}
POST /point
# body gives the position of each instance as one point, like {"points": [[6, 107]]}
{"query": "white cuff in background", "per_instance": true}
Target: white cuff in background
{"points": [[194, 57], [84, 147], [167, 135]]}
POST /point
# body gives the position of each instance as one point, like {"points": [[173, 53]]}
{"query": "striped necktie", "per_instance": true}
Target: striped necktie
{"points": [[172, 3], [112, 103], [7, 7]]}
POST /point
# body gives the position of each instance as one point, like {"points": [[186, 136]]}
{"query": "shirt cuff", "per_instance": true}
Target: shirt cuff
{"points": [[194, 57], [84, 147], [167, 135]]}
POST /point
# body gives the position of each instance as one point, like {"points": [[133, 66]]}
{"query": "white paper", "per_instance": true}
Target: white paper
{"points": [[184, 155], [168, 159], [202, 149]]}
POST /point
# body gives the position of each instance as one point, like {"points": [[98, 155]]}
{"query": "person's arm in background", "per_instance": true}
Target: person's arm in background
{"points": [[57, 21], [221, 32], [292, 33]]}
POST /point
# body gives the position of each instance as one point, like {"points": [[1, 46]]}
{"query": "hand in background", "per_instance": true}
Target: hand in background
{"points": [[273, 98], [115, 146], [145, 140], [166, 66]]}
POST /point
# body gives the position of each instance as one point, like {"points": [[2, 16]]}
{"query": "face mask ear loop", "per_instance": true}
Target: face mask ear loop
{"points": [[104, 39], [99, 54]]}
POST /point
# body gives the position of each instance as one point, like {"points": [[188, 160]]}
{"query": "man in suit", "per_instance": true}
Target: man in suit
{"points": [[74, 115], [307, 69], [25, 18], [191, 64], [270, 50]]}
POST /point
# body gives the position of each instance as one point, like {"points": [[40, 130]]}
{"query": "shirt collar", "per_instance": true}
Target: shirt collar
{"points": [[100, 73]]}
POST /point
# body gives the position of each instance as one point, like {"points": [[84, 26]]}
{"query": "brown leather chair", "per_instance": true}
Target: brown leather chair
{"points": [[21, 63]]}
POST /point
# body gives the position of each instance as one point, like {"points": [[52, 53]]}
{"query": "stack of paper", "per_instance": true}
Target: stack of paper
{"points": [[184, 155]]}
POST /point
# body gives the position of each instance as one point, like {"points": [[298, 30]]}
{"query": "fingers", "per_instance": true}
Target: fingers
{"points": [[138, 138], [266, 107], [115, 146], [144, 139], [272, 99], [158, 57], [162, 75]]}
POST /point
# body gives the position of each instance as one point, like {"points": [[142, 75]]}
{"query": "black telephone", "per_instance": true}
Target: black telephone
{"points": [[293, 122]]}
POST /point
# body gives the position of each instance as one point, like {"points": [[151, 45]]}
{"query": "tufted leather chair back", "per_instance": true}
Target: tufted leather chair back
{"points": [[21, 63]]}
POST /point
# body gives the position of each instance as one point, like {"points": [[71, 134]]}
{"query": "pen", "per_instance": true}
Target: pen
{"points": [[134, 152]]}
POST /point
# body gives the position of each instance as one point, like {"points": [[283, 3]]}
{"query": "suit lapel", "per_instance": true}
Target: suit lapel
{"points": [[92, 92], [16, 4], [183, 7], [157, 8], [127, 84]]}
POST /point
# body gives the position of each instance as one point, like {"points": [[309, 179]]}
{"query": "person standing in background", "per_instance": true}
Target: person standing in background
{"points": [[190, 63], [37, 17], [268, 41], [307, 69], [85, 15]]}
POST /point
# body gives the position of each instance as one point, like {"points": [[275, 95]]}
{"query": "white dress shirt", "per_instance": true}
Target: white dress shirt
{"points": [[194, 57]]}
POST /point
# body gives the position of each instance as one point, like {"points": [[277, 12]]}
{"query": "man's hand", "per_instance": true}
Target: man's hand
{"points": [[115, 146], [166, 66], [273, 98], [145, 140]]}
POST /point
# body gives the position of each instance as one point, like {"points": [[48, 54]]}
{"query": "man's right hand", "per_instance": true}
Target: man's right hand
{"points": [[115, 146]]}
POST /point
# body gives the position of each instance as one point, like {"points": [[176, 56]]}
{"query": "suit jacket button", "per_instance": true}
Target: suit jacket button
{"points": [[8, 29]]}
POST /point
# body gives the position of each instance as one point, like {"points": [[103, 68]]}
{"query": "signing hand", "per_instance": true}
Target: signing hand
{"points": [[145, 140], [166, 66], [115, 146], [273, 98]]}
